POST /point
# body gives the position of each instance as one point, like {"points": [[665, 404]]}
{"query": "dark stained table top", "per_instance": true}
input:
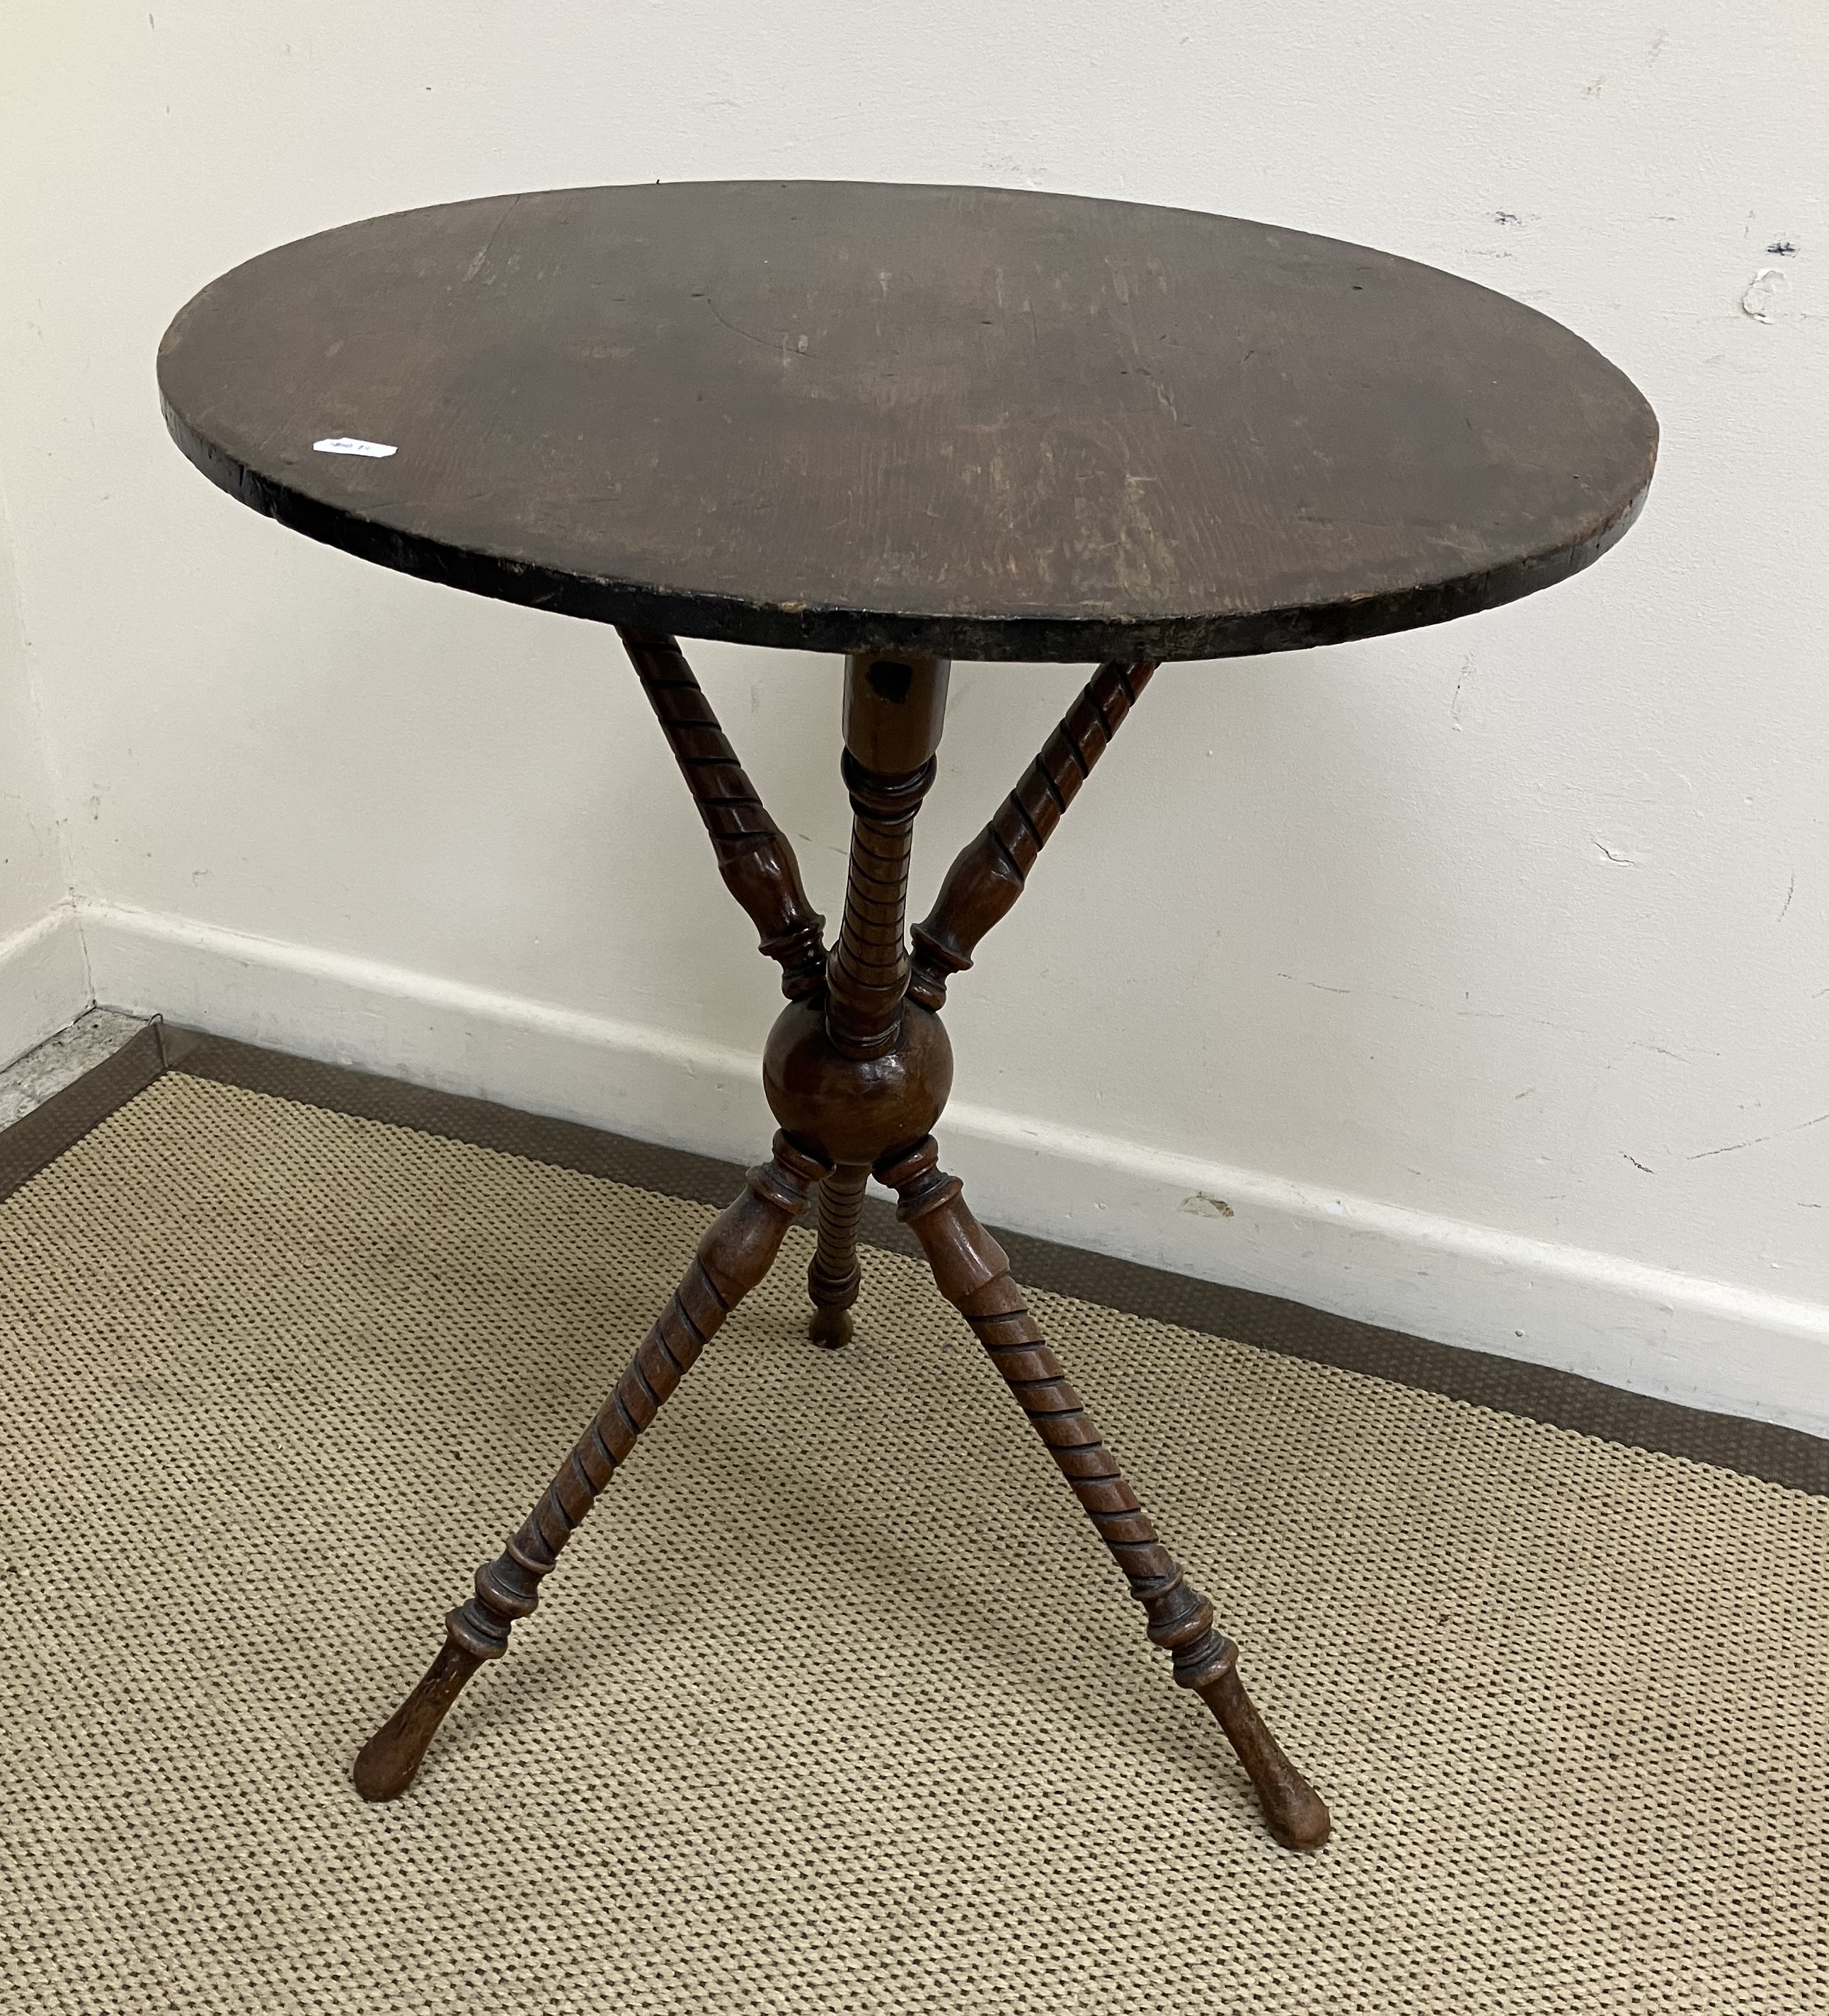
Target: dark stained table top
{"points": [[985, 423]]}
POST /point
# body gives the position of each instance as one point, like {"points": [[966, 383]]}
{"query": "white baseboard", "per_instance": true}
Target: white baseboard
{"points": [[44, 981], [1707, 1344]]}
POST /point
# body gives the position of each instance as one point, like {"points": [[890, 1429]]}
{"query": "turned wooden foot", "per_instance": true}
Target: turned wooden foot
{"points": [[831, 1329], [833, 1277], [733, 1257], [385, 1765], [1293, 1808], [973, 1273]]}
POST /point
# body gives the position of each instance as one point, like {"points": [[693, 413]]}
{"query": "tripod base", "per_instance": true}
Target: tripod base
{"points": [[857, 1071], [972, 1271]]}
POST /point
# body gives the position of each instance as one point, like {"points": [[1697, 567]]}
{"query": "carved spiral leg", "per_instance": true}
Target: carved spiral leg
{"points": [[833, 1277], [992, 870], [973, 1273], [755, 856], [733, 1257]]}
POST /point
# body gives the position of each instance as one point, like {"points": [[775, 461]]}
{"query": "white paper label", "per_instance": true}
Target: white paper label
{"points": [[347, 444]]}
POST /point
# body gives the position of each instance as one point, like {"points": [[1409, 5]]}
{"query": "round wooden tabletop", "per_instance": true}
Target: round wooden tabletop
{"points": [[983, 423]]}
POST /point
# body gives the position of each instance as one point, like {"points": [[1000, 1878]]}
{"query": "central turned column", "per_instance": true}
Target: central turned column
{"points": [[895, 708], [859, 1069]]}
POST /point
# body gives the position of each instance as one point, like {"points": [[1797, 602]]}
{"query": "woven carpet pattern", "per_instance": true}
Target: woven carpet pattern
{"points": [[834, 1704]]}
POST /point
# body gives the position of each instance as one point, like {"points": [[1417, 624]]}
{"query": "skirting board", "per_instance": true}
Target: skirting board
{"points": [[1674, 1336], [44, 981]]}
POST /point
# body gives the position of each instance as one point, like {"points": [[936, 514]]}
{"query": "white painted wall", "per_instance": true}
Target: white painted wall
{"points": [[44, 978], [1503, 1014]]}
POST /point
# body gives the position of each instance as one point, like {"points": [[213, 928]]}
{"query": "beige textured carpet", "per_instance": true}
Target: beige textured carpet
{"points": [[835, 1705]]}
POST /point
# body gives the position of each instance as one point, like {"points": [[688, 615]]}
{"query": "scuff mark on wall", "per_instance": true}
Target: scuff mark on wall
{"points": [[1762, 293], [1454, 704], [1758, 1140]]}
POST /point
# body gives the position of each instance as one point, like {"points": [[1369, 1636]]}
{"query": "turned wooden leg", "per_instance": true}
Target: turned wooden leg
{"points": [[973, 1273], [832, 1279], [733, 1257], [755, 856], [992, 870]]}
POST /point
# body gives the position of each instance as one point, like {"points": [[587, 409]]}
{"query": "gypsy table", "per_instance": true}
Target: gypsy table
{"points": [[909, 425]]}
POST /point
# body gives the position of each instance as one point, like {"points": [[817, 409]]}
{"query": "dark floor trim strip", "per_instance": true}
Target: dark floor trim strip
{"points": [[39, 1136], [562, 1142], [1780, 1455]]}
